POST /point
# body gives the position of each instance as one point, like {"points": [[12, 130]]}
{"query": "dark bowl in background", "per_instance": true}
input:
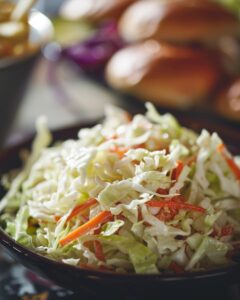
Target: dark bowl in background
{"points": [[214, 284], [15, 72]]}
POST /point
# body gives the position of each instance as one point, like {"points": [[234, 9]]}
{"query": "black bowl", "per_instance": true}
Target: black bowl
{"points": [[15, 72], [214, 283]]}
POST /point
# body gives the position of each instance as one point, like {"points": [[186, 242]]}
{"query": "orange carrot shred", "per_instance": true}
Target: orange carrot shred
{"points": [[176, 268], [166, 216], [162, 191], [221, 147], [177, 171], [227, 230], [229, 160], [233, 166], [80, 208], [128, 117], [98, 250], [119, 151], [57, 218], [93, 268], [99, 219], [140, 216], [174, 204]]}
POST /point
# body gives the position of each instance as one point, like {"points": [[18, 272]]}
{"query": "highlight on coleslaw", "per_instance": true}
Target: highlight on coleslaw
{"points": [[136, 195]]}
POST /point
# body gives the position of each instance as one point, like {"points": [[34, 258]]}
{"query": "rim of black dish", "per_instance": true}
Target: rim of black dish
{"points": [[10, 244]]}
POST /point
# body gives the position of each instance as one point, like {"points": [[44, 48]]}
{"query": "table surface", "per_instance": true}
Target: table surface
{"points": [[68, 98]]}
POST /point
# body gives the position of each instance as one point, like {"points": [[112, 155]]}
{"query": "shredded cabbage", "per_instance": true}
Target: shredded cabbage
{"points": [[131, 195]]}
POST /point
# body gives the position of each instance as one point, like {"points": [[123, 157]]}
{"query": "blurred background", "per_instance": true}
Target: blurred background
{"points": [[68, 59], [183, 55]]}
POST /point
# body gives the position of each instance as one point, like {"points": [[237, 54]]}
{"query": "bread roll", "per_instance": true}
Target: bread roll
{"points": [[228, 101], [168, 75], [178, 21], [93, 10]]}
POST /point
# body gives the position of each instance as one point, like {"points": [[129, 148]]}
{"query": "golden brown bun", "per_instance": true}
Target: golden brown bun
{"points": [[94, 10], [228, 102], [169, 75], [177, 21]]}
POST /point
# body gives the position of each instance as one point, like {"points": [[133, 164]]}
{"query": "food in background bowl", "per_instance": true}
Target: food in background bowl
{"points": [[94, 11], [94, 53], [172, 76], [141, 195], [210, 28], [183, 21], [16, 65], [15, 29]]}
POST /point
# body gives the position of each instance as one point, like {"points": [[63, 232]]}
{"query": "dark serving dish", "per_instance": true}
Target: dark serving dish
{"points": [[15, 72], [196, 284]]}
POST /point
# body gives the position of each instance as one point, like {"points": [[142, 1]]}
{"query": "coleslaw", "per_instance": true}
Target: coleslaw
{"points": [[135, 194]]}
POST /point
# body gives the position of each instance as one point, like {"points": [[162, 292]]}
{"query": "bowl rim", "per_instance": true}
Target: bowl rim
{"points": [[46, 33], [12, 246]]}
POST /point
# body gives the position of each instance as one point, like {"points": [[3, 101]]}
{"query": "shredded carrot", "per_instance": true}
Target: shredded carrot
{"points": [[227, 230], [191, 160], [80, 208], [128, 117], [140, 216], [136, 162], [229, 160], [234, 167], [177, 171], [166, 216], [119, 151], [221, 147], [112, 137], [143, 145], [98, 250], [162, 191], [121, 217], [99, 219], [170, 213], [176, 268], [92, 268], [178, 198], [173, 204], [57, 218]]}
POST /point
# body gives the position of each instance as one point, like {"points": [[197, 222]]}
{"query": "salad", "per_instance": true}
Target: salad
{"points": [[138, 195]]}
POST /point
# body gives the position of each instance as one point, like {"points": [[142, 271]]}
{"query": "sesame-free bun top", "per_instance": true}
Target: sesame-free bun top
{"points": [[169, 75], [228, 101], [177, 21], [94, 11]]}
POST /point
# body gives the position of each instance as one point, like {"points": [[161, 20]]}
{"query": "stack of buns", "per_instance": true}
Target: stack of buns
{"points": [[173, 55], [179, 21], [168, 75], [94, 11]]}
